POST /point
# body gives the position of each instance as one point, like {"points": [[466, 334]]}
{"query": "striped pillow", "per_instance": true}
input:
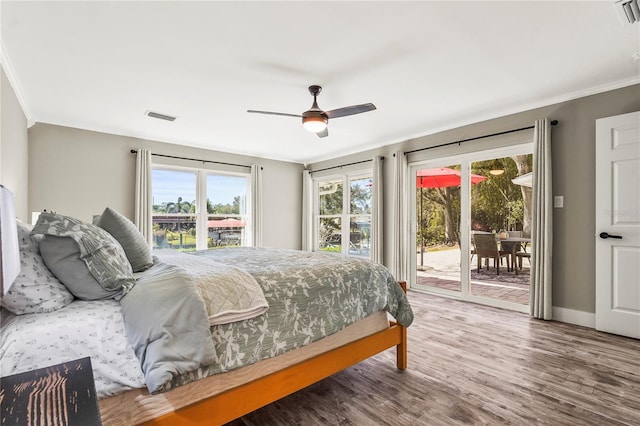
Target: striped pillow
{"points": [[98, 251]]}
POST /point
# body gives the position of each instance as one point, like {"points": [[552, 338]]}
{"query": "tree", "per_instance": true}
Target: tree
{"points": [[233, 208], [360, 199], [436, 200], [497, 202], [330, 204], [177, 207], [524, 166]]}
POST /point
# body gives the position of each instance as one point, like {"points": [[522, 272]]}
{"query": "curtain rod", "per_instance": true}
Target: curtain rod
{"points": [[343, 165], [553, 123], [133, 151]]}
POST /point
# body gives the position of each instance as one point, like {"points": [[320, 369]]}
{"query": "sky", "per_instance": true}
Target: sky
{"points": [[168, 185]]}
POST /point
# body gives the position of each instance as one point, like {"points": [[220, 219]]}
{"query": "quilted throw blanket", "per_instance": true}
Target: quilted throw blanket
{"points": [[230, 294], [169, 311], [310, 296]]}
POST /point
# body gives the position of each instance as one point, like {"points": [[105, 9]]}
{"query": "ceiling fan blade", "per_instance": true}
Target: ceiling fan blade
{"points": [[324, 133], [274, 113], [350, 110]]}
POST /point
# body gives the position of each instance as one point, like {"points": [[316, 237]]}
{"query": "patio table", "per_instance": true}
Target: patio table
{"points": [[511, 245]]}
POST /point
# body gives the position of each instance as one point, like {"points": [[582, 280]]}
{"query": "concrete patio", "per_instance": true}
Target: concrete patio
{"points": [[442, 270]]}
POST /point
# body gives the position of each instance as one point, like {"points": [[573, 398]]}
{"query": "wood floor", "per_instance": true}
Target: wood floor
{"points": [[470, 364]]}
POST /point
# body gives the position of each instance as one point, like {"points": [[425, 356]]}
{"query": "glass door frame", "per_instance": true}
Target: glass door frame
{"points": [[413, 223], [464, 160]]}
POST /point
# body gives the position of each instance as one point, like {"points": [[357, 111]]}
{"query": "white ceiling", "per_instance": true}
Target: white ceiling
{"points": [[427, 66]]}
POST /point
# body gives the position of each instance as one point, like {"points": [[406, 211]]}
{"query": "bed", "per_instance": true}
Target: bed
{"points": [[317, 314]]}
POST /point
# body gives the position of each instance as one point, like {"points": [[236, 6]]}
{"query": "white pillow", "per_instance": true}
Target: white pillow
{"points": [[36, 289]]}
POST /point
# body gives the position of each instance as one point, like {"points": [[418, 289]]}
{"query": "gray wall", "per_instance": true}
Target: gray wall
{"points": [[573, 159], [79, 173], [13, 147]]}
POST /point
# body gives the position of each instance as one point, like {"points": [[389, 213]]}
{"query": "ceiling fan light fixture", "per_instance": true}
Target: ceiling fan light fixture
{"points": [[314, 123], [316, 120]]}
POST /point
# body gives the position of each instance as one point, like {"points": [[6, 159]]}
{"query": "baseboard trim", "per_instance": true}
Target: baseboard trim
{"points": [[572, 316]]}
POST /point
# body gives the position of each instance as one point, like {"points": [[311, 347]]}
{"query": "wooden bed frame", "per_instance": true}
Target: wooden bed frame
{"points": [[238, 401]]}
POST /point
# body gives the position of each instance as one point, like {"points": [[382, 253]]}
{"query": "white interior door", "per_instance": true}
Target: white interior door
{"points": [[618, 224]]}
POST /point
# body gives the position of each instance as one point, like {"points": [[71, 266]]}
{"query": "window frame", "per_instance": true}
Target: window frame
{"points": [[345, 216], [201, 214]]}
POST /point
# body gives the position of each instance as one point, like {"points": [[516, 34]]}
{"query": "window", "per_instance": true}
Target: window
{"points": [[226, 210], [343, 218], [199, 209]]}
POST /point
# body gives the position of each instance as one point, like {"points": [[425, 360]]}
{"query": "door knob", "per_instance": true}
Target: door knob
{"points": [[605, 235]]}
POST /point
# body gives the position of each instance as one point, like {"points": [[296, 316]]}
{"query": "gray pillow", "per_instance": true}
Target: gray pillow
{"points": [[36, 289], [99, 252], [132, 241], [62, 256]]}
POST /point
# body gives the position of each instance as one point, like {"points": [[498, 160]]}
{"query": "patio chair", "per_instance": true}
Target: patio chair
{"points": [[486, 247], [519, 256], [473, 243]]}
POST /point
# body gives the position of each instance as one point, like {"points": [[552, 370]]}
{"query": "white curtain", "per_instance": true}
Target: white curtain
{"points": [[307, 211], [400, 226], [256, 205], [377, 207], [143, 199], [542, 222]]}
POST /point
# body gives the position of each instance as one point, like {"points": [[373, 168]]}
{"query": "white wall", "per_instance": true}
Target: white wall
{"points": [[13, 147], [79, 173]]}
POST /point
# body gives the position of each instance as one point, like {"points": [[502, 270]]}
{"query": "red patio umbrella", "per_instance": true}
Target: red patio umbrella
{"points": [[440, 177]]}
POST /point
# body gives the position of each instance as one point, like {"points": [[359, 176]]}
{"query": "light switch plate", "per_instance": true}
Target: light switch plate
{"points": [[558, 201]]}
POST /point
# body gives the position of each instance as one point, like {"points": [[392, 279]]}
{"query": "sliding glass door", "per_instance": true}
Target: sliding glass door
{"points": [[470, 226], [501, 229], [436, 230]]}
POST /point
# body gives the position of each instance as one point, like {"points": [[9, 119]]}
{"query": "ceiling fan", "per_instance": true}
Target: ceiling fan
{"points": [[315, 120]]}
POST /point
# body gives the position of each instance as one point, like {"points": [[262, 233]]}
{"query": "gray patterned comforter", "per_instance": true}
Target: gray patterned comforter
{"points": [[310, 296]]}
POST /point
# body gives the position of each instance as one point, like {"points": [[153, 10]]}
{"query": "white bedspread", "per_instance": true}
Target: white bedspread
{"points": [[80, 329]]}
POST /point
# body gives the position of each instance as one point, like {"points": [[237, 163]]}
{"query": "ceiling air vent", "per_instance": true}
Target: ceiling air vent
{"points": [[160, 116], [628, 11]]}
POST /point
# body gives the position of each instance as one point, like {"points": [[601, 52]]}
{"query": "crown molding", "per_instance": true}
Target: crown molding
{"points": [[479, 118], [13, 81], [593, 91]]}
